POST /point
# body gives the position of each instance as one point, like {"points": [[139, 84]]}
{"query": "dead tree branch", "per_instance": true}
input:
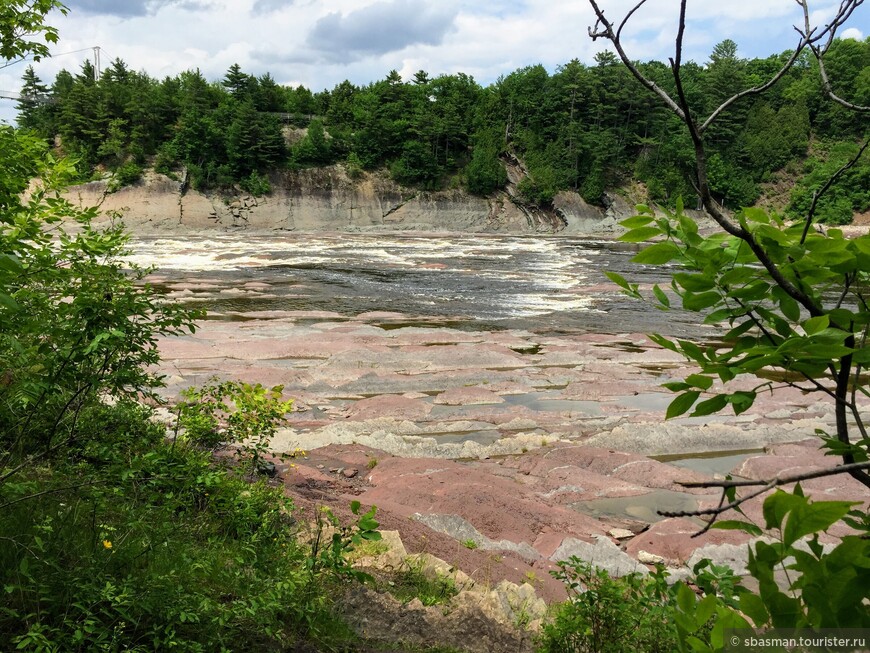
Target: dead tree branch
{"points": [[845, 11], [761, 485]]}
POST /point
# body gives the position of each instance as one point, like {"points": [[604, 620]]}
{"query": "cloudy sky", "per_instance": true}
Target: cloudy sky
{"points": [[319, 43]]}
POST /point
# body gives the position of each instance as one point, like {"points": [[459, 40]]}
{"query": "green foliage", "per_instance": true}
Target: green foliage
{"points": [[415, 166], [333, 542], [485, 174], [412, 582], [256, 184], [314, 149], [354, 166], [826, 587], [126, 175], [582, 128], [848, 195], [142, 545], [22, 20], [114, 537], [233, 413], [769, 333], [76, 322], [605, 614]]}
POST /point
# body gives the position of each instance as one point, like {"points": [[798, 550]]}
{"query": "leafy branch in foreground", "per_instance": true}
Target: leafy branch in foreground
{"points": [[791, 296]]}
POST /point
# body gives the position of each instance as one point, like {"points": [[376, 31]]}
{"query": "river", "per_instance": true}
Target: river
{"points": [[547, 285]]}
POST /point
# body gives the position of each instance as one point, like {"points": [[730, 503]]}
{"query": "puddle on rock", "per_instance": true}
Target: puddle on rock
{"points": [[643, 507], [711, 463], [544, 402]]}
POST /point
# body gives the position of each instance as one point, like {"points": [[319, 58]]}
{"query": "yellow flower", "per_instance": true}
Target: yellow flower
{"points": [[107, 544]]}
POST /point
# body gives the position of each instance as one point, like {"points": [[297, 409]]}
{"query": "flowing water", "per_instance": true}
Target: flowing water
{"points": [[474, 282]]}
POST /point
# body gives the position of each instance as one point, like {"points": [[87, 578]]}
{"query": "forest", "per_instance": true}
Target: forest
{"points": [[586, 128]]}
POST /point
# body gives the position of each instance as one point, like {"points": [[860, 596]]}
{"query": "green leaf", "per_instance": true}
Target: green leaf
{"points": [[682, 403], [789, 308], [663, 342], [700, 381], [8, 303], [636, 221], [698, 302], [705, 609], [657, 254], [694, 282], [753, 607], [777, 505], [741, 401], [10, 263], [676, 386], [639, 235], [710, 406], [757, 215], [661, 296], [807, 518], [689, 226], [815, 325], [686, 599], [618, 279], [735, 525]]}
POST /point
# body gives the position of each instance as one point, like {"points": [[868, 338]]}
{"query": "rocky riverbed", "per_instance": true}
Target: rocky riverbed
{"points": [[533, 448]]}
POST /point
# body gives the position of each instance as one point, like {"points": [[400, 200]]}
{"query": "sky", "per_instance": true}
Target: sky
{"points": [[319, 43]]}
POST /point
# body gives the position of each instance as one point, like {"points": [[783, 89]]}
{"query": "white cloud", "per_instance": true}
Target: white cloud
{"points": [[319, 43]]}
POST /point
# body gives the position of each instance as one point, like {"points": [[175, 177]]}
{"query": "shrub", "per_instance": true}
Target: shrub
{"points": [[232, 412], [256, 184], [138, 544], [126, 175], [604, 614]]}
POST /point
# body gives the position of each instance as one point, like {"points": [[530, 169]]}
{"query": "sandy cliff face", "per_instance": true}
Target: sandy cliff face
{"points": [[327, 199]]}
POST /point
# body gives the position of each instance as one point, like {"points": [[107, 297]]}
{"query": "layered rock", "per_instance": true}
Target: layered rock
{"points": [[326, 199]]}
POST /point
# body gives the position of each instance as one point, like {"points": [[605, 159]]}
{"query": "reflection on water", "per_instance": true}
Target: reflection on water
{"points": [[544, 284], [644, 507]]}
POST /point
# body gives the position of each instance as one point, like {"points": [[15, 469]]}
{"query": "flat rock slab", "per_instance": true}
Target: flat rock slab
{"points": [[516, 436]]}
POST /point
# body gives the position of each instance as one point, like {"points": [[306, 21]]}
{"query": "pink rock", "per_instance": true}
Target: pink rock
{"points": [[673, 540], [389, 406], [468, 396]]}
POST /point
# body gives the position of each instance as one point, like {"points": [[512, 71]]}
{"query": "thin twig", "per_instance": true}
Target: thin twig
{"points": [[830, 182], [779, 480]]}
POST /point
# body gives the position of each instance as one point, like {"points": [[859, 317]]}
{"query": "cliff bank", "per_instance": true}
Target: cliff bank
{"points": [[326, 199]]}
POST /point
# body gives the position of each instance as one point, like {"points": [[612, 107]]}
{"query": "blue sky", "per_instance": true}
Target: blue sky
{"points": [[319, 43]]}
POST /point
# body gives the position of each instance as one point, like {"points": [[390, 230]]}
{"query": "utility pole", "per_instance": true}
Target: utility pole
{"points": [[96, 63]]}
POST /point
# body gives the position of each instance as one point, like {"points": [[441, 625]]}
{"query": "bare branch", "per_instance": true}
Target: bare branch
{"points": [[779, 480], [762, 486], [844, 12], [607, 32], [824, 189], [604, 29]]}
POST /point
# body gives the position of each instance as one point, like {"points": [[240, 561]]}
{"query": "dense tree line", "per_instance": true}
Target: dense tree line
{"points": [[583, 128]]}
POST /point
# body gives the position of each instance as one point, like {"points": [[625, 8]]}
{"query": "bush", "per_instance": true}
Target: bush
{"points": [[256, 184], [114, 538], [126, 175], [609, 615], [138, 544]]}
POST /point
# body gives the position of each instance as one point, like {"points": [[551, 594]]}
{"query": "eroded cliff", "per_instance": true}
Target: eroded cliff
{"points": [[326, 199]]}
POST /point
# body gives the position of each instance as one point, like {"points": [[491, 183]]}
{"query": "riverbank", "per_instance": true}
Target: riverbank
{"points": [[326, 199]]}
